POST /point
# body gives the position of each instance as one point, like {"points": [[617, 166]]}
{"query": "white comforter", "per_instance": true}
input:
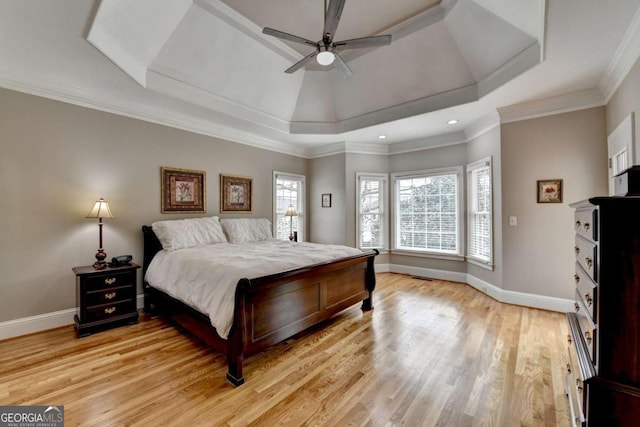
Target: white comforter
{"points": [[205, 277]]}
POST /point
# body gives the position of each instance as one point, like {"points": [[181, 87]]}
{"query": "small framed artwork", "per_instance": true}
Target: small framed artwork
{"points": [[235, 193], [326, 200], [550, 191], [183, 190]]}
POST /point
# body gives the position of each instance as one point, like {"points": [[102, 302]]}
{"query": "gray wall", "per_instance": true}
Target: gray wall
{"points": [[57, 159], [327, 225], [538, 253], [624, 101]]}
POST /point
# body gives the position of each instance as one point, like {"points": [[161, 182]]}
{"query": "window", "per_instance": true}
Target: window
{"points": [[372, 219], [480, 213], [427, 211], [288, 190]]}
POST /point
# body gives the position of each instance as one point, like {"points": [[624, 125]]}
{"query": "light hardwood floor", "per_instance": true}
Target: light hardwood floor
{"points": [[430, 353]]}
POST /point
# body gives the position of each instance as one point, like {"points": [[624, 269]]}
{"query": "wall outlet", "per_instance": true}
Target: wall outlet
{"points": [[513, 220]]}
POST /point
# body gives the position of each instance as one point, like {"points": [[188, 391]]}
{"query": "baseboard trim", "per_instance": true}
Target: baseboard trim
{"points": [[505, 296], [42, 322]]}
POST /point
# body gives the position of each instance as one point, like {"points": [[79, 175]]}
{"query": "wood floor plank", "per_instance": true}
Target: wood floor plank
{"points": [[431, 353]]}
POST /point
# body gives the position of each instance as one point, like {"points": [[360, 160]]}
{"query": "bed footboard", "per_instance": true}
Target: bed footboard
{"points": [[273, 308]]}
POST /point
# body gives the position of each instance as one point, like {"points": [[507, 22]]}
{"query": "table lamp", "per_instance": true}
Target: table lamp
{"points": [[100, 210], [291, 212]]}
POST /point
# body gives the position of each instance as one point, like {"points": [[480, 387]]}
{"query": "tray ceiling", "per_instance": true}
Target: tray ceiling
{"points": [[204, 65]]}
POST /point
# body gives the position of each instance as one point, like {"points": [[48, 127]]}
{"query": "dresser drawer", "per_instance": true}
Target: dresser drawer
{"points": [[110, 295], [586, 255], [107, 311], [587, 327], [112, 280], [586, 223], [575, 388], [587, 289]]}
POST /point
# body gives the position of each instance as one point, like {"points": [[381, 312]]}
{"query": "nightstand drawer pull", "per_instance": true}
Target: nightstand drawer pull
{"points": [[110, 295], [110, 281], [110, 310]]}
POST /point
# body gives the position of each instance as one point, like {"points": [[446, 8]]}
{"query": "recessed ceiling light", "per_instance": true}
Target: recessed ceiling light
{"points": [[382, 136], [452, 122]]}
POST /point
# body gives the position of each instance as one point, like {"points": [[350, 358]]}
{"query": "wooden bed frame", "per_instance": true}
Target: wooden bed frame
{"points": [[272, 308]]}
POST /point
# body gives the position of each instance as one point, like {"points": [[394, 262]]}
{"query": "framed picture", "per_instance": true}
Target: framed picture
{"points": [[550, 191], [235, 193], [326, 200], [183, 190]]}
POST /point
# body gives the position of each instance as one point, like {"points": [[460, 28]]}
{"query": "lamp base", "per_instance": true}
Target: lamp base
{"points": [[100, 263]]}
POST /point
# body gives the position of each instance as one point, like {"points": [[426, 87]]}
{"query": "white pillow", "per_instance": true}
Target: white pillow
{"points": [[246, 230], [187, 233]]}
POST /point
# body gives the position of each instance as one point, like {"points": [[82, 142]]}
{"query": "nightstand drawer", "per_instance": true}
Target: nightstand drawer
{"points": [[107, 311], [110, 295], [112, 280]]}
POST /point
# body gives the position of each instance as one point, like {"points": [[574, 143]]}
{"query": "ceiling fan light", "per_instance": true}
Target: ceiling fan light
{"points": [[325, 58]]}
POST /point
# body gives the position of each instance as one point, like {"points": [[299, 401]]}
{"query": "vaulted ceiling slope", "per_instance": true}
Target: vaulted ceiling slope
{"points": [[205, 66], [206, 52]]}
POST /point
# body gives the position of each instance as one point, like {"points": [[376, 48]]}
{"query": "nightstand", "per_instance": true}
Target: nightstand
{"points": [[105, 298]]}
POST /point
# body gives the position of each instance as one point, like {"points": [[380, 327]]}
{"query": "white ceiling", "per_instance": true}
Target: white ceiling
{"points": [[205, 66]]}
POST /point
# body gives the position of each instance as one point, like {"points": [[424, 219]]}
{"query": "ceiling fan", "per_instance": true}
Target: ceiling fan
{"points": [[326, 52]]}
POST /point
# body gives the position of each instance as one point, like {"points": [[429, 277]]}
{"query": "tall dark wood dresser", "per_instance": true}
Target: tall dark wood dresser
{"points": [[603, 373]]}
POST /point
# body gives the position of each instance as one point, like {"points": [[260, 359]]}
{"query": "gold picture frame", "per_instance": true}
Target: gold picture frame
{"points": [[235, 193], [183, 190], [550, 191]]}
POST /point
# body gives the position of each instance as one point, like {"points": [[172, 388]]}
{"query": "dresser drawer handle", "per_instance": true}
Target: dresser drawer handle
{"points": [[575, 304], [569, 367], [577, 278], [569, 338], [109, 310], [586, 226], [588, 261], [110, 295], [588, 298], [579, 385], [578, 224], [110, 281], [577, 249], [587, 336]]}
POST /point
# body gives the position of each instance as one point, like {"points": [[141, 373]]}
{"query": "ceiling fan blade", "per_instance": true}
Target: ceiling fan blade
{"points": [[342, 66], [295, 67], [331, 20], [286, 36], [364, 42]]}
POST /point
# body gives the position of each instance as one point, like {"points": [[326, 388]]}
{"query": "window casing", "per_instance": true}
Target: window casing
{"points": [[288, 189], [371, 204], [427, 212], [480, 213]]}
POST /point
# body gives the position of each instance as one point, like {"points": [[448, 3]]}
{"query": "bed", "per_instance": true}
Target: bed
{"points": [[265, 308]]}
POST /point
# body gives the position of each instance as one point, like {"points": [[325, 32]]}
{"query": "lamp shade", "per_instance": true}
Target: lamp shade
{"points": [[100, 210], [291, 211]]}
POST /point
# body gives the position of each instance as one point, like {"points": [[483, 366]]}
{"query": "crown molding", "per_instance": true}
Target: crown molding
{"points": [[428, 143], [108, 103], [624, 58], [482, 125], [553, 105]]}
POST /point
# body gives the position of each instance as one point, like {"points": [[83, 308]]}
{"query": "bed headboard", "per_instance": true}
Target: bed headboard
{"points": [[151, 246]]}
